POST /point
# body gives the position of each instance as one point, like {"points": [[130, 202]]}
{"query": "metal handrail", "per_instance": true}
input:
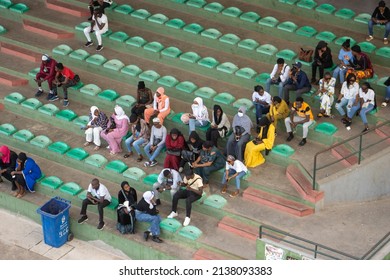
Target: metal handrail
{"points": [[359, 152]]}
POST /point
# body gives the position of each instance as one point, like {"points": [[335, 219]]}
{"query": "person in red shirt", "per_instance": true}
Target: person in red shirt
{"points": [[46, 73], [174, 143], [64, 78]]}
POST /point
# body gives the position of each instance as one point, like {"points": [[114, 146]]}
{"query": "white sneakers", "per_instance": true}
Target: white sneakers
{"points": [[186, 221], [172, 215]]}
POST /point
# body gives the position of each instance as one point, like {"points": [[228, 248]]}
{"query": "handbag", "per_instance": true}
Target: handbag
{"points": [[305, 55]]}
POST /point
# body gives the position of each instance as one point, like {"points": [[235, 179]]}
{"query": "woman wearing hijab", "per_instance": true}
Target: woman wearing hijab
{"points": [[26, 173], [161, 106], [220, 126], [199, 116], [114, 133], [140, 135], [360, 64], [127, 199], [8, 160], [322, 60], [146, 212], [174, 143], [242, 125], [194, 145], [264, 141], [97, 123]]}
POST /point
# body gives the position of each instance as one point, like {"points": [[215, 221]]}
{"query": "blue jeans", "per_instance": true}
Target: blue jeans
{"points": [[387, 93], [364, 111], [339, 72], [268, 84], [339, 106], [154, 221], [260, 110], [155, 153], [195, 123], [353, 111], [371, 28], [237, 178], [136, 144]]}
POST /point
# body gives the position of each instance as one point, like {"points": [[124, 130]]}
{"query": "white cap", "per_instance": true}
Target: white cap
{"points": [[45, 57]]}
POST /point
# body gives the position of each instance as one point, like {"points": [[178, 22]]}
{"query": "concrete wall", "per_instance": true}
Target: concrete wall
{"points": [[364, 182]]}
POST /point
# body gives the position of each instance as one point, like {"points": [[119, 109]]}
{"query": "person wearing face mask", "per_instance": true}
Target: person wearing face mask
{"points": [[175, 143], [348, 94], [199, 116], [326, 92], [161, 106], [168, 179], [242, 126]]}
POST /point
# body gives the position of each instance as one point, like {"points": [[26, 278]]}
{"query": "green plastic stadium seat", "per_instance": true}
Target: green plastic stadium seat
{"points": [[290, 2], [243, 102], [107, 33], [32, 103], [248, 44], [7, 129], [19, 8], [232, 12], [77, 154], [175, 23], [177, 118], [227, 67], [158, 18], [246, 72], [114, 203], [191, 57], [211, 33], [77, 86], [62, 49], [150, 179], [23, 135], [381, 81], [268, 21], [79, 54], [154, 47], [363, 18], [267, 49], [224, 98], [90, 89], [283, 150], [96, 160], [384, 51], [215, 201], [307, 4], [33, 72], [48, 109], [82, 26], [371, 80], [114, 64], [132, 70], [116, 166], [171, 225], [96, 59], [306, 31], [367, 47], [325, 9], [5, 4], [59, 147], [262, 78], [82, 195], [231, 39], [209, 62], [345, 13], [168, 81], [326, 36], [205, 92], [186, 86], [119, 36], [126, 101], [136, 41], [123, 9], [250, 17], [339, 41], [193, 28], [66, 115], [326, 128], [214, 7], [171, 52], [190, 232], [81, 121], [196, 3], [52, 182], [288, 26], [71, 188], [140, 13], [109, 95], [149, 75], [15, 98], [134, 173]]}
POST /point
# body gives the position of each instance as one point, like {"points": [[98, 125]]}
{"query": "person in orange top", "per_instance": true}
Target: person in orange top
{"points": [[300, 114], [161, 107]]}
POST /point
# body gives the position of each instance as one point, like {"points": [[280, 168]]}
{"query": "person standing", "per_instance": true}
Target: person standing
{"points": [[99, 25], [47, 72], [297, 81], [234, 169], [98, 122], [64, 78], [278, 76], [380, 16]]}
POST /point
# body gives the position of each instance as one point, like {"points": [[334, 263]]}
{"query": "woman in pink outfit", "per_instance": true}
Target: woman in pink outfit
{"points": [[114, 133]]}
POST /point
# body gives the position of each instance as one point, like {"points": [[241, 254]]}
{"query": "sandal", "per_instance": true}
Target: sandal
{"points": [[87, 144], [128, 155], [96, 148], [224, 189], [140, 158], [20, 195]]}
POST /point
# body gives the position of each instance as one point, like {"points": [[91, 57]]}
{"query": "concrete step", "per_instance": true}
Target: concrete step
{"points": [[239, 228], [383, 131], [10, 80], [67, 8], [206, 254], [46, 31], [20, 52], [341, 152]]}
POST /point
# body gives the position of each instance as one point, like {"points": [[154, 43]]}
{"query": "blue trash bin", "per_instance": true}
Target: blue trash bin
{"points": [[55, 221]]}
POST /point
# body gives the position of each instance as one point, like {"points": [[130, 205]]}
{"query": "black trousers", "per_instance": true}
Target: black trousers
{"points": [[189, 196], [212, 134], [100, 207]]}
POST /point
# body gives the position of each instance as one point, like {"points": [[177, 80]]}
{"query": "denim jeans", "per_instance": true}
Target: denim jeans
{"points": [[237, 178], [196, 123], [364, 111], [136, 144], [154, 221], [268, 84], [371, 28], [351, 112], [339, 72], [260, 110], [339, 106], [155, 153], [387, 93]]}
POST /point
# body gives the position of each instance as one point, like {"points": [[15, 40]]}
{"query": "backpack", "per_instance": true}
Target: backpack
{"points": [[126, 221]]}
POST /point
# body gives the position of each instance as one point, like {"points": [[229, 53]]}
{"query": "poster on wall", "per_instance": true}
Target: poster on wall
{"points": [[273, 253]]}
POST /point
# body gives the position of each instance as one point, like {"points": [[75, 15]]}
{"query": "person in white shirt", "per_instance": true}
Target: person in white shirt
{"points": [[348, 96], [199, 116], [278, 76], [262, 102], [168, 179], [99, 25], [97, 194], [326, 94], [234, 169]]}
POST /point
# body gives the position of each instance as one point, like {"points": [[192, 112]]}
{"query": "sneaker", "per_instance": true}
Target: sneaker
{"points": [[54, 98], [290, 137], [172, 215], [38, 93], [365, 130], [66, 103], [83, 219], [369, 38], [186, 222], [384, 104], [303, 142], [156, 239], [224, 189], [153, 163], [234, 194], [100, 226], [99, 48], [88, 44], [147, 164], [146, 235], [385, 41], [49, 96]]}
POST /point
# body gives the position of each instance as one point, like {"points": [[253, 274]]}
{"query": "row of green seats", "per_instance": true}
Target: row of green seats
{"points": [[19, 8]]}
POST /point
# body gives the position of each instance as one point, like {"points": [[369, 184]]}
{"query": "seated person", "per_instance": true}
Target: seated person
{"points": [[127, 199], [146, 212], [168, 179], [278, 76], [220, 126], [326, 92], [297, 81], [175, 144], [161, 107], [233, 169], [192, 192], [360, 65], [144, 99], [64, 78], [194, 145], [8, 160], [209, 160], [156, 143], [47, 72], [26, 174], [279, 110], [199, 116], [348, 93], [264, 141], [99, 25], [322, 60], [387, 96], [140, 134], [345, 56], [380, 16], [98, 122], [262, 102]]}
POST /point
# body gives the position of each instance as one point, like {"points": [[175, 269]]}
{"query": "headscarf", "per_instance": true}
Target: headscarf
{"points": [[264, 123], [148, 196], [120, 113], [197, 111], [6, 154], [244, 121], [92, 114], [161, 90], [217, 119]]}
